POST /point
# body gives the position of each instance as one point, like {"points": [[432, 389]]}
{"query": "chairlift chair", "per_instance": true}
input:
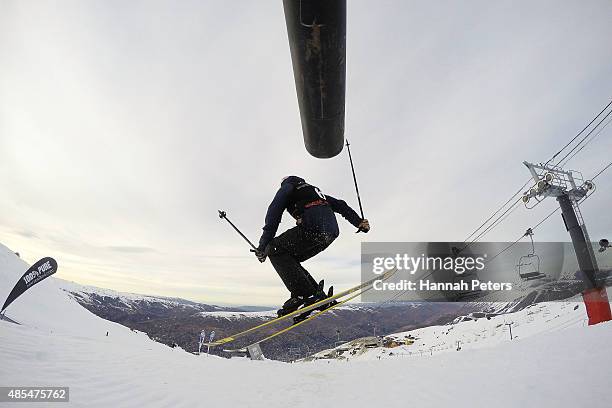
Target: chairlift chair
{"points": [[529, 265]]}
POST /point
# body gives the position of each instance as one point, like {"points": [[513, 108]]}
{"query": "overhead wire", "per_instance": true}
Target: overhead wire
{"points": [[585, 137], [579, 133], [500, 218], [586, 143], [549, 215]]}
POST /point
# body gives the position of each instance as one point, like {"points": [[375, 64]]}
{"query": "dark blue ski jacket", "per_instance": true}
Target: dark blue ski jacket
{"points": [[319, 218]]}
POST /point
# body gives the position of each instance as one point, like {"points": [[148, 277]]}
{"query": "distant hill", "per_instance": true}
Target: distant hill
{"points": [[179, 321]]}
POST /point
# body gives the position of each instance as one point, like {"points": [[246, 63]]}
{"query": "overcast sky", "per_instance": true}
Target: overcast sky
{"points": [[126, 125]]}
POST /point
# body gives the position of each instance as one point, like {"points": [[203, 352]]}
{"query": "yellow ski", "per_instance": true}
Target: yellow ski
{"points": [[313, 316], [298, 312]]}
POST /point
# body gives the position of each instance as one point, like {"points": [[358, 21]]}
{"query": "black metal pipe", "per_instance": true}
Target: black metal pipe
{"points": [[317, 40], [586, 262]]}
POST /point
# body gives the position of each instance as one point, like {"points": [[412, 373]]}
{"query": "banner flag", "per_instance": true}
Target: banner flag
{"points": [[37, 272]]}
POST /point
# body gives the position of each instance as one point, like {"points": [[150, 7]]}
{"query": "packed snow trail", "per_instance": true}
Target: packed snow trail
{"points": [[470, 332], [109, 371], [59, 343]]}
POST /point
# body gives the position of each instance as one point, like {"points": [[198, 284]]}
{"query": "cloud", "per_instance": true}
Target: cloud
{"points": [[27, 234], [132, 249], [124, 129]]}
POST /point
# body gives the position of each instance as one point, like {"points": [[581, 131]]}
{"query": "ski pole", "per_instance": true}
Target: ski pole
{"points": [[223, 214], [348, 148]]}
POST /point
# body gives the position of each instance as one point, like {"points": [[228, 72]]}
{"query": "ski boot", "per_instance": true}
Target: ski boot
{"points": [[291, 305], [318, 296]]}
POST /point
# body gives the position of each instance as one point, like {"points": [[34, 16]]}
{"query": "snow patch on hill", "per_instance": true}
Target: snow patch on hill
{"points": [[85, 292], [475, 330], [232, 315]]}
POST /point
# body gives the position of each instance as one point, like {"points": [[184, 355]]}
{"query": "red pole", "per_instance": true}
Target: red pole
{"points": [[597, 305]]}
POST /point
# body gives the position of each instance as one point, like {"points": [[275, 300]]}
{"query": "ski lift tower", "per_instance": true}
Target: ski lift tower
{"points": [[569, 188]]}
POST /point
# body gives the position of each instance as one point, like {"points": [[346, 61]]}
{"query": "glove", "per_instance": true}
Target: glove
{"points": [[364, 225], [261, 255]]}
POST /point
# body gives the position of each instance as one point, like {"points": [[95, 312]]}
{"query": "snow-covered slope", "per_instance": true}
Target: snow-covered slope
{"points": [[60, 343], [92, 294], [45, 307], [84, 291], [469, 332]]}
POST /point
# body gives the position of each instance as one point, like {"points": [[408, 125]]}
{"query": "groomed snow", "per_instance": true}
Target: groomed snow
{"points": [[60, 343], [537, 319]]}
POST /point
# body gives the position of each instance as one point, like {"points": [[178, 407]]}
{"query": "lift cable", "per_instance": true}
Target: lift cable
{"points": [[586, 136], [548, 216], [579, 133], [586, 143], [503, 215]]}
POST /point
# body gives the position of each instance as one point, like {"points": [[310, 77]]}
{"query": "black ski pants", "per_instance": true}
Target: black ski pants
{"points": [[292, 247]]}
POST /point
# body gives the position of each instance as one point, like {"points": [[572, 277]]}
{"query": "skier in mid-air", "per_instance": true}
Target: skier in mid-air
{"points": [[316, 228]]}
